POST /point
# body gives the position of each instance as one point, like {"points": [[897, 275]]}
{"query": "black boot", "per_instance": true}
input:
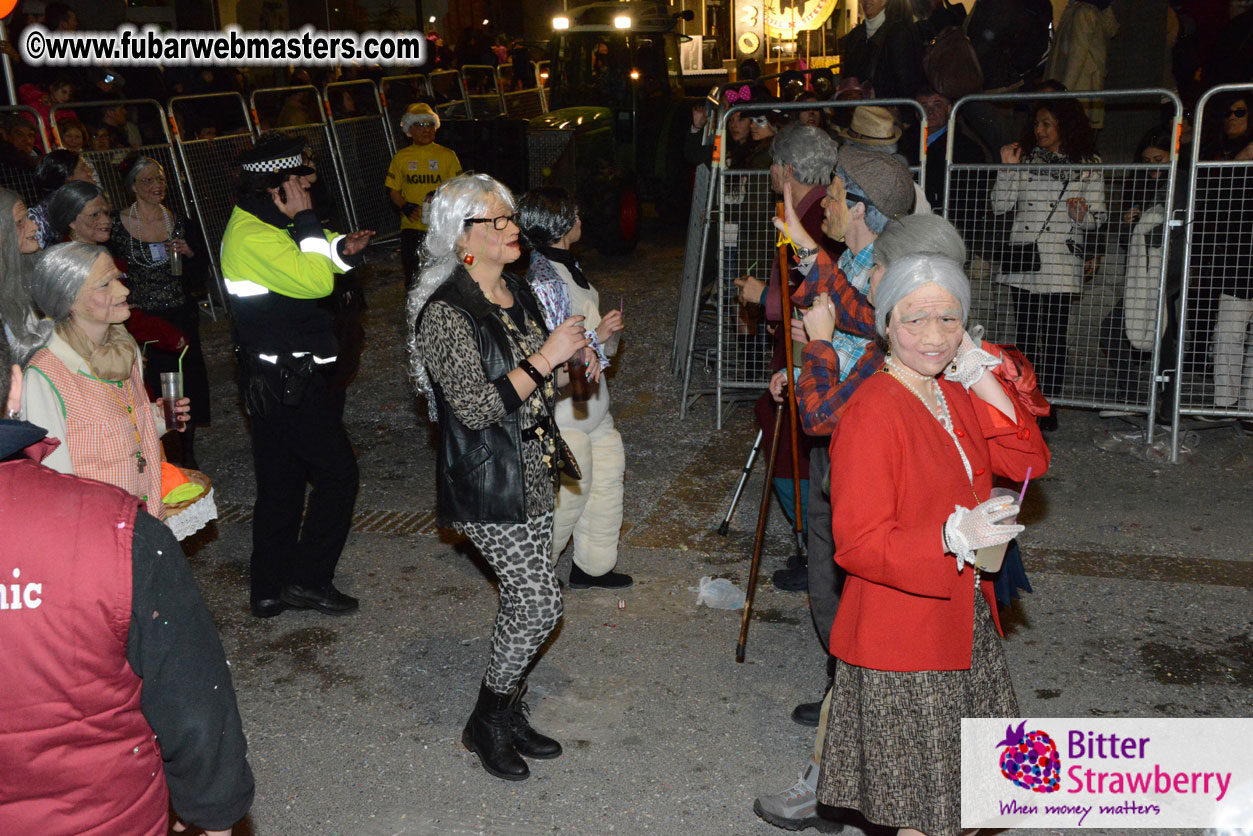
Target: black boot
{"points": [[526, 740], [488, 734]]}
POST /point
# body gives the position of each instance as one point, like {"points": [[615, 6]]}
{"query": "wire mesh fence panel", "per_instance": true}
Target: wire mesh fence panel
{"points": [[365, 152], [211, 163], [302, 114], [1068, 261], [523, 96], [482, 91], [690, 283], [746, 240], [397, 93], [449, 91], [1215, 351], [17, 172]]}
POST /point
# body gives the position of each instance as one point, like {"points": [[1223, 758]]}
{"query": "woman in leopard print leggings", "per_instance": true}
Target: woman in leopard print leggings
{"points": [[480, 353]]}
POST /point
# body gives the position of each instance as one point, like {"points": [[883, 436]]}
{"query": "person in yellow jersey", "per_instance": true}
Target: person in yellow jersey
{"points": [[414, 175]]}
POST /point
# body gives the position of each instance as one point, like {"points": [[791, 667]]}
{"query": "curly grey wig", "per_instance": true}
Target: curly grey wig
{"points": [[465, 196], [812, 154]]}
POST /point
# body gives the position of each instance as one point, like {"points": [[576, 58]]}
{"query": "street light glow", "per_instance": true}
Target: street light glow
{"points": [[622, 22], [561, 23], [635, 75], [432, 18]]}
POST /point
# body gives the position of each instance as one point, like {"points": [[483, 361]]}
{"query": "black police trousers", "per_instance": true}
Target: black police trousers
{"points": [[293, 445]]}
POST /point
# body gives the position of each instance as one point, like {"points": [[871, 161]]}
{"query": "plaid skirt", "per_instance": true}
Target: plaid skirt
{"points": [[894, 737]]}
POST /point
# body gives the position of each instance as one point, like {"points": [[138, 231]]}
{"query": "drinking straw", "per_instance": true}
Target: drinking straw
{"points": [[621, 304], [1025, 480], [184, 351]]}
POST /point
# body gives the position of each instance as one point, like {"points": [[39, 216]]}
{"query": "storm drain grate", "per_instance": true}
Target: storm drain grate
{"points": [[363, 522]]}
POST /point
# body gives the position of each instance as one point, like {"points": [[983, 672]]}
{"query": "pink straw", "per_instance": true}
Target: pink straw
{"points": [[1023, 492]]}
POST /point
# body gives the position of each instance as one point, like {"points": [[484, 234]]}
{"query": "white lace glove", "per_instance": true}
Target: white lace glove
{"points": [[970, 529], [970, 363]]}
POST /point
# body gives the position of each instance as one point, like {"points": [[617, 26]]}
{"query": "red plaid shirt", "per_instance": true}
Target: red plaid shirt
{"points": [[822, 394]]}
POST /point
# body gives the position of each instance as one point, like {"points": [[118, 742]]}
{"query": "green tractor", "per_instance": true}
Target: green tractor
{"points": [[618, 117]]}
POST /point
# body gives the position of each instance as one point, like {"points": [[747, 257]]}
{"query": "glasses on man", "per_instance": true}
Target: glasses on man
{"points": [[1238, 112], [497, 223]]}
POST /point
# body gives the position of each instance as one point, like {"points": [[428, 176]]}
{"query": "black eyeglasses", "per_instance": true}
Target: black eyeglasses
{"points": [[497, 223], [1238, 112]]}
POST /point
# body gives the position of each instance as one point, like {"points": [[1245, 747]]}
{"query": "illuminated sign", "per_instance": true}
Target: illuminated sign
{"points": [[802, 15]]}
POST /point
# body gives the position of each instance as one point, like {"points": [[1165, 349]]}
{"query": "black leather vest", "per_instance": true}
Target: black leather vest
{"points": [[479, 473]]}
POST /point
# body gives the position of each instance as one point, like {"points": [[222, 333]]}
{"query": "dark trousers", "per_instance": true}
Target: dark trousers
{"points": [[1042, 328], [410, 252], [825, 578], [292, 445]]}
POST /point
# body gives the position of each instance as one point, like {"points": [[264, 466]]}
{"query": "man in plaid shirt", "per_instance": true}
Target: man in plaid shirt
{"points": [[868, 192]]}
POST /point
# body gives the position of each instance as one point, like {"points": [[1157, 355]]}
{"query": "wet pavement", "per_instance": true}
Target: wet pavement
{"points": [[1141, 571]]}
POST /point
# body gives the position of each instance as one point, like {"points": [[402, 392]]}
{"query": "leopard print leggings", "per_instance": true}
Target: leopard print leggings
{"points": [[530, 599]]}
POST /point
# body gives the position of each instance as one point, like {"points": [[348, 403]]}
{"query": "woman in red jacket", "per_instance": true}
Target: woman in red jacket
{"points": [[915, 635]]}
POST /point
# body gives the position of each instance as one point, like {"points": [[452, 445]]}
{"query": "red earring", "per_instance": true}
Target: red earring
{"points": [[467, 260]]}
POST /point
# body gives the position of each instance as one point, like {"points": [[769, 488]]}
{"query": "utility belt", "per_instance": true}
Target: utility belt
{"points": [[281, 376]]}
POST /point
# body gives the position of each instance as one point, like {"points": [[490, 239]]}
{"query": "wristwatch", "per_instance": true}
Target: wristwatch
{"points": [[803, 253]]}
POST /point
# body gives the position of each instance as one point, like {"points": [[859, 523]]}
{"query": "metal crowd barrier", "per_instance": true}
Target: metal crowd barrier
{"points": [[22, 179], [690, 284], [300, 111], [397, 92], [525, 102], [365, 147], [211, 165], [1088, 316], [483, 96], [742, 204], [448, 89], [1214, 354]]}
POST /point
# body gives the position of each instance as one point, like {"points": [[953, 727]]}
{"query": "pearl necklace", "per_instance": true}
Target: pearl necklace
{"points": [[941, 413]]}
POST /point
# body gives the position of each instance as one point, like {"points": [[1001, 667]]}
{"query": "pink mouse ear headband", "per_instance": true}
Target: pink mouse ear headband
{"points": [[744, 94]]}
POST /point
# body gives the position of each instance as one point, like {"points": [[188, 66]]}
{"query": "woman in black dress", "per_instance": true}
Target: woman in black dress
{"points": [[150, 238]]}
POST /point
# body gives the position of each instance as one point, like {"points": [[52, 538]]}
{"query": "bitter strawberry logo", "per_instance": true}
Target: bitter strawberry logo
{"points": [[1030, 759], [6, 7]]}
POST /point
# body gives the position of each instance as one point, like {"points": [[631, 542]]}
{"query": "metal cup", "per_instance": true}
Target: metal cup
{"points": [[171, 393]]}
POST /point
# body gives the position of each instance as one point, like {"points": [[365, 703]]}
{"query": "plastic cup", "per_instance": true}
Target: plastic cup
{"points": [[171, 392], [176, 263], [990, 558], [580, 386]]}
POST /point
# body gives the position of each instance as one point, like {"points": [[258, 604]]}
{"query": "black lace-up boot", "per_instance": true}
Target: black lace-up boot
{"points": [[526, 740], [489, 733]]}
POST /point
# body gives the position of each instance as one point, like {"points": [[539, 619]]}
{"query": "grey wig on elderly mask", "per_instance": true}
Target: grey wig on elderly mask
{"points": [[26, 334], [463, 197], [916, 234], [60, 274], [908, 274], [810, 152], [136, 169]]}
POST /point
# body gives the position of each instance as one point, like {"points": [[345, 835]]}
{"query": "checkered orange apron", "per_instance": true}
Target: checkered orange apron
{"points": [[100, 431]]}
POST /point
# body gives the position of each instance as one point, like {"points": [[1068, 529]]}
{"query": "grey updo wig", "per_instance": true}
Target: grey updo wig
{"points": [[908, 274], [918, 234], [60, 274], [136, 168], [461, 198]]}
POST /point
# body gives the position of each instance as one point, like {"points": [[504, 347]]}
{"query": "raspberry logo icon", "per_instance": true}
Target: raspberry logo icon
{"points": [[1030, 759]]}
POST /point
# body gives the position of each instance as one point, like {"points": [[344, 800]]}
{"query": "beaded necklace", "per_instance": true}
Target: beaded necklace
{"points": [[940, 413], [139, 254]]}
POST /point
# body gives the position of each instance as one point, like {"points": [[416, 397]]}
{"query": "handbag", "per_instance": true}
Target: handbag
{"points": [[1024, 258], [950, 65], [567, 465]]}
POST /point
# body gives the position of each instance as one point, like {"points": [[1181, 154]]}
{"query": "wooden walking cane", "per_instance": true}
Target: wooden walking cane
{"points": [[763, 513], [785, 303]]}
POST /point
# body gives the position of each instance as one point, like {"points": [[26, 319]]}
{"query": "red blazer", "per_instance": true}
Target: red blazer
{"points": [[895, 478]]}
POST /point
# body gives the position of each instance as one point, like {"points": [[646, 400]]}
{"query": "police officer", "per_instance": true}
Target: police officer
{"points": [[277, 262]]}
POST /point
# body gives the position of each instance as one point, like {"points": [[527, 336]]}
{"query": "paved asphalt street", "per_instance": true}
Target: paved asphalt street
{"points": [[1141, 608]]}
